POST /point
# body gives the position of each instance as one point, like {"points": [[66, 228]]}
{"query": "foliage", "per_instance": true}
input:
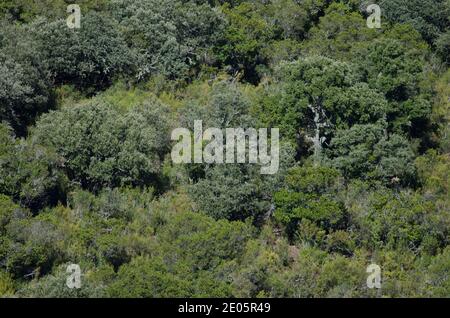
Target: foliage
{"points": [[428, 17], [301, 200], [103, 147], [339, 32], [319, 85], [30, 173], [89, 56], [6, 285], [191, 260], [404, 220], [168, 37], [86, 175], [366, 152], [25, 86]]}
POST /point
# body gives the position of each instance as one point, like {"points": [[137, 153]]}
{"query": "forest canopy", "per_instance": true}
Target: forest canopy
{"points": [[86, 175]]}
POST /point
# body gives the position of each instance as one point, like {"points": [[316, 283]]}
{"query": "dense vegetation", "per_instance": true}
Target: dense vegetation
{"points": [[86, 175]]}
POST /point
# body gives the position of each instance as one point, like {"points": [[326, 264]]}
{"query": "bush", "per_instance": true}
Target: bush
{"points": [[7, 288], [93, 284], [315, 202], [33, 248]]}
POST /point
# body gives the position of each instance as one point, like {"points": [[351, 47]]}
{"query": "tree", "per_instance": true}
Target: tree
{"points": [[233, 193], [90, 56], [301, 200], [366, 152], [168, 37], [428, 17], [393, 70], [31, 174], [32, 247], [443, 46], [222, 190], [225, 105], [25, 86], [26, 11], [246, 34], [315, 96], [397, 71], [339, 33], [262, 259], [289, 17], [364, 159], [103, 147], [314, 273]]}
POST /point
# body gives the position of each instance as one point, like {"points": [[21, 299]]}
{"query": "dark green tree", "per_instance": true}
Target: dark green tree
{"points": [[103, 147], [366, 152], [90, 56], [25, 82]]}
